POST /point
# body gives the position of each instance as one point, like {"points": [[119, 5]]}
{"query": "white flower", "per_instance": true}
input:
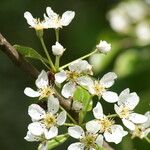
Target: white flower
{"points": [[44, 89], [112, 132], [126, 103], [55, 21], [76, 70], [103, 47], [87, 140], [35, 23], [99, 88], [45, 123], [142, 130], [58, 49]]}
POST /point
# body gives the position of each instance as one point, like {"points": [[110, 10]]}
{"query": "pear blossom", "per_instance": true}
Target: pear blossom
{"points": [[103, 47], [87, 140], [99, 88], [45, 123], [112, 132], [126, 103], [58, 49], [55, 21], [76, 69], [142, 130], [44, 88], [35, 23]]}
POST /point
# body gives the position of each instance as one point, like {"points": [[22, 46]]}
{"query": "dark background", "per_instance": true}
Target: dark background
{"points": [[85, 31]]}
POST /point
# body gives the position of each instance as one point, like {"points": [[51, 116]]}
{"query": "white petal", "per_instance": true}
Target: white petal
{"points": [[93, 126], [110, 97], [68, 89], [147, 123], [42, 80], [53, 104], [146, 132], [98, 111], [60, 77], [43, 146], [76, 146], [51, 133], [36, 112], [108, 79], [85, 81], [67, 18], [117, 109], [31, 93], [29, 18], [130, 100], [51, 14], [30, 137], [123, 96], [128, 124], [76, 132], [115, 135], [137, 118], [61, 118], [36, 128], [99, 140]]}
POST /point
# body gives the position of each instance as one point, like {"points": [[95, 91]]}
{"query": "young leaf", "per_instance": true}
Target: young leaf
{"points": [[60, 139], [29, 53]]}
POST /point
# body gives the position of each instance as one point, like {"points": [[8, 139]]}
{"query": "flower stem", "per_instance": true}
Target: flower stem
{"points": [[57, 60], [47, 54], [83, 57], [147, 139], [112, 116], [57, 34], [69, 124]]}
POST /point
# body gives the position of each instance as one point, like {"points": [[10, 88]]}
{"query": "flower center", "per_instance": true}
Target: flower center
{"points": [[138, 132], [124, 112], [46, 92], [49, 120], [72, 75], [106, 123], [39, 25], [89, 140], [99, 89]]}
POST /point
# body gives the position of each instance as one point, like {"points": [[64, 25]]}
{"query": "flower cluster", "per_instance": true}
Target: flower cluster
{"points": [[62, 89]]}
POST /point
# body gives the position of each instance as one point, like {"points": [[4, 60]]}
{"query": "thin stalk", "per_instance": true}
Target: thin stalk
{"points": [[69, 116], [57, 34], [83, 57], [147, 139], [57, 60], [69, 124], [47, 54]]}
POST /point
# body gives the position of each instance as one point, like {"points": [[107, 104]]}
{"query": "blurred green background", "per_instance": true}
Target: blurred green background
{"points": [[128, 58]]}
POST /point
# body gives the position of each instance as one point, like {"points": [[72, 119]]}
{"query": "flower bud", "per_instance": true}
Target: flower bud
{"points": [[103, 47], [58, 49]]}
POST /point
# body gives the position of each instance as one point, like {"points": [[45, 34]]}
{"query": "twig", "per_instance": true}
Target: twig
{"points": [[16, 58]]}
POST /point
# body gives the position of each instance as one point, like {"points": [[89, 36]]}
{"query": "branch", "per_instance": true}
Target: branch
{"points": [[16, 58], [20, 62]]}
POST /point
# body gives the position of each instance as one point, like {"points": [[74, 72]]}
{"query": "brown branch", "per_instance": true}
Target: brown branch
{"points": [[19, 61]]}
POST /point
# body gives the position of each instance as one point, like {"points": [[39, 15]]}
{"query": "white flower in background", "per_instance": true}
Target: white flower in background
{"points": [[99, 88], [76, 70], [118, 21], [103, 47], [87, 140], [142, 31], [126, 103], [142, 130], [112, 132], [58, 49], [55, 21], [45, 123], [35, 23], [44, 89]]}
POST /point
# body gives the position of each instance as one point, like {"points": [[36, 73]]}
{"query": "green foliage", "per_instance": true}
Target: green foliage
{"points": [[28, 52]]}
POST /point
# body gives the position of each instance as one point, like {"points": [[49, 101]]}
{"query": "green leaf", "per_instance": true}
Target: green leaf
{"points": [[84, 97], [60, 139], [29, 53]]}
